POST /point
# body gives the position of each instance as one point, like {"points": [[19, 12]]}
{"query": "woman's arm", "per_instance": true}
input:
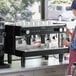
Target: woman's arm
{"points": [[73, 42]]}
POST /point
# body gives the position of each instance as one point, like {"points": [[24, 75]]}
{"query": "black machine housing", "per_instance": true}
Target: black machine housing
{"points": [[10, 41]]}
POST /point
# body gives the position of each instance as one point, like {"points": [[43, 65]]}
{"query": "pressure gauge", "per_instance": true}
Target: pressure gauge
{"points": [[27, 31]]}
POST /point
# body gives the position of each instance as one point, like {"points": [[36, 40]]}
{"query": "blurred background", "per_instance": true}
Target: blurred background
{"points": [[12, 10]]}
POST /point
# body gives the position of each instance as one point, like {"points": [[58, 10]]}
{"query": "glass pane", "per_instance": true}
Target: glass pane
{"points": [[51, 7], [59, 10], [68, 8], [15, 10]]}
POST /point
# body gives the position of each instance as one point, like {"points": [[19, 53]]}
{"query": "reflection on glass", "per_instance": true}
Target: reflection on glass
{"points": [[60, 10], [16, 10]]}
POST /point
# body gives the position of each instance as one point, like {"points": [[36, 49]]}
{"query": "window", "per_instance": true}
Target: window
{"points": [[68, 8], [51, 7], [59, 8], [14, 10]]}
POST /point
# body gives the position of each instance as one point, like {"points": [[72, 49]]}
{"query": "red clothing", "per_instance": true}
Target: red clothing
{"points": [[72, 57], [71, 60]]}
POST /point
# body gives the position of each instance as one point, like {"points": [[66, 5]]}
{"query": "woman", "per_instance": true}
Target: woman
{"points": [[72, 44]]}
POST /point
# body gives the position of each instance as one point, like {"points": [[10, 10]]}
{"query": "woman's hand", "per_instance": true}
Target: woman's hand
{"points": [[65, 42], [67, 31]]}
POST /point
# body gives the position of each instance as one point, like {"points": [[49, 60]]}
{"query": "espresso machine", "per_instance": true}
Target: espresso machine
{"points": [[30, 34]]}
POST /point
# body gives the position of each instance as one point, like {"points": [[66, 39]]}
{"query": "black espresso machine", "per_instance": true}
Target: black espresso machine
{"points": [[11, 31]]}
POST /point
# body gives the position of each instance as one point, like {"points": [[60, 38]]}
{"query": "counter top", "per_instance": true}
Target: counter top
{"points": [[34, 64]]}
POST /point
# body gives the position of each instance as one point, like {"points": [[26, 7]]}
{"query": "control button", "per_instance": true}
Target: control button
{"points": [[60, 29]]}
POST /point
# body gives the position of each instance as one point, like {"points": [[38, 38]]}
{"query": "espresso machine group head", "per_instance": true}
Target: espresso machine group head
{"points": [[41, 31]]}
